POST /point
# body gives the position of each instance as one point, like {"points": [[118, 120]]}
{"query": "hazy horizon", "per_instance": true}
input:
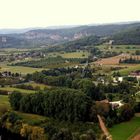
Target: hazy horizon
{"points": [[69, 26], [17, 14]]}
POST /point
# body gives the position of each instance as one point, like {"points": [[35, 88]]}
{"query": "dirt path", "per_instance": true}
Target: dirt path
{"points": [[104, 129], [137, 137]]}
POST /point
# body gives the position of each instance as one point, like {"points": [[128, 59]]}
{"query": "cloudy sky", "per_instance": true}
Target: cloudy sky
{"points": [[43, 13]]}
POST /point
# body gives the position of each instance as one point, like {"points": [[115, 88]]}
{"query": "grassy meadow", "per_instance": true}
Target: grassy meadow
{"points": [[125, 130]]}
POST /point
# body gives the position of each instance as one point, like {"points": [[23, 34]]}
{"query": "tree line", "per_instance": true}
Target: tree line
{"points": [[70, 105], [63, 104], [81, 79], [130, 60], [47, 62]]}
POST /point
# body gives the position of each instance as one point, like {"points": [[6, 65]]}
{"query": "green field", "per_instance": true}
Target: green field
{"points": [[18, 69], [4, 103], [78, 54], [120, 48], [8, 51], [26, 117], [4, 100], [11, 89], [129, 69], [31, 118], [41, 86], [125, 130]]}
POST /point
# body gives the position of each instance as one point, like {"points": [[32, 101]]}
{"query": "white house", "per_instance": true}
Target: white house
{"points": [[116, 104], [117, 79]]}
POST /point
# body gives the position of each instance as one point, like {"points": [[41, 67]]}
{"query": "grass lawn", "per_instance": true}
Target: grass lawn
{"points": [[125, 130], [10, 89]]}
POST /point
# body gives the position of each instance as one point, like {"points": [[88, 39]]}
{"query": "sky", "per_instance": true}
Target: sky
{"points": [[44, 13]]}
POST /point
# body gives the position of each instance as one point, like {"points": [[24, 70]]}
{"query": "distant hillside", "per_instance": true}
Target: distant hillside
{"points": [[130, 36], [86, 41], [73, 35], [9, 42], [78, 32]]}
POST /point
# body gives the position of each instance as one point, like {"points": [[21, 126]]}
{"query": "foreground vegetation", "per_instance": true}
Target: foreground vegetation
{"points": [[36, 126]]}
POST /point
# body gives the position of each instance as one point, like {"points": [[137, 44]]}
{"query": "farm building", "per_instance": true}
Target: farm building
{"points": [[117, 79], [135, 74], [116, 104]]}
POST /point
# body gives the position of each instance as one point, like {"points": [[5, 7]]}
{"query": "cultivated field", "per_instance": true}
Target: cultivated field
{"points": [[115, 59], [114, 62], [78, 54]]}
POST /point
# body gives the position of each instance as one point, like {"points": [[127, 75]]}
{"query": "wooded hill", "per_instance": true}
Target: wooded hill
{"points": [[82, 35]]}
